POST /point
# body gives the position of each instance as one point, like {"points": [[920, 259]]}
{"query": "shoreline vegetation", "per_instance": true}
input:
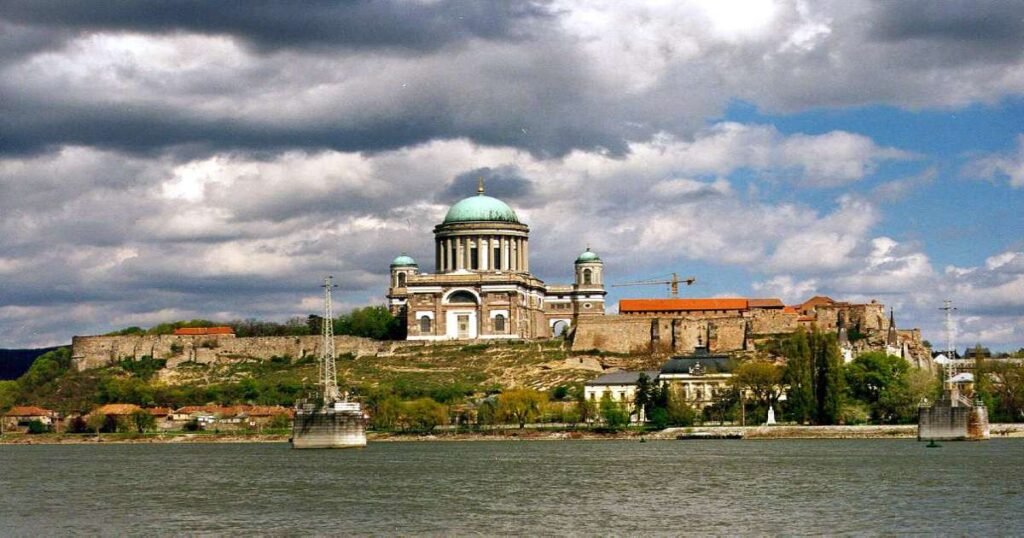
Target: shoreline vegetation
{"points": [[778, 432]]}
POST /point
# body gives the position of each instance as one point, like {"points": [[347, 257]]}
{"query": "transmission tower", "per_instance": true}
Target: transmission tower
{"points": [[328, 372], [948, 308]]}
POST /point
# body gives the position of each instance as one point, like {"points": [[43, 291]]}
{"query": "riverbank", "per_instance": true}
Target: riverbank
{"points": [[908, 431]]}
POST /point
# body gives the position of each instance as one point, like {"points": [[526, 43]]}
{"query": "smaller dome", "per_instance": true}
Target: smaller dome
{"points": [[403, 261], [588, 256]]}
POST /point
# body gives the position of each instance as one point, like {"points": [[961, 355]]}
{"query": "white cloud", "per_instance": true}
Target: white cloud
{"points": [[788, 289], [1008, 166]]}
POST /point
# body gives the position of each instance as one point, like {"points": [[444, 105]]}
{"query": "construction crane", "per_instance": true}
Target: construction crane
{"points": [[673, 283]]}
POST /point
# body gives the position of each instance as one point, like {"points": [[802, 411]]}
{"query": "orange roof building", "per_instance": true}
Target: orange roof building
{"points": [[677, 306], [24, 411], [117, 409]]}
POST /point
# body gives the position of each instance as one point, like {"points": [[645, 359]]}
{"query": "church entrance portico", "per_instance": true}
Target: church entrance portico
{"points": [[461, 324]]}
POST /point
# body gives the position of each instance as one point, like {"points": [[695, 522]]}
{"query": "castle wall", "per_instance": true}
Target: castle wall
{"points": [[642, 334], [765, 321], [98, 351]]}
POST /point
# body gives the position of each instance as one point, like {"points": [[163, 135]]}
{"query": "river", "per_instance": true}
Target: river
{"points": [[524, 488]]}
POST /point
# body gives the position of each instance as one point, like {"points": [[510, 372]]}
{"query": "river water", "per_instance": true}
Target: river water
{"points": [[705, 487]]}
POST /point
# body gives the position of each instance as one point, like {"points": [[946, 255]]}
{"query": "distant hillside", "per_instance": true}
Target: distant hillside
{"points": [[14, 362]]}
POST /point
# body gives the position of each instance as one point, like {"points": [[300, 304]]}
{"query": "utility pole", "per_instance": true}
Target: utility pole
{"points": [[328, 372], [948, 308]]}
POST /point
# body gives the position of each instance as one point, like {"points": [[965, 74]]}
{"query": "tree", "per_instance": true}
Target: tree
{"points": [[644, 398], [96, 422], [375, 322], [827, 377], [1006, 385], [586, 409], [37, 426], [142, 421], [612, 412], [678, 411], [761, 379], [799, 376], [8, 394], [385, 412], [424, 414], [880, 381], [520, 405]]}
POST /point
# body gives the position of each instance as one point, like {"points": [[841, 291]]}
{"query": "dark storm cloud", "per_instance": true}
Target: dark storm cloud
{"points": [[30, 127], [282, 24], [957, 32], [504, 182]]}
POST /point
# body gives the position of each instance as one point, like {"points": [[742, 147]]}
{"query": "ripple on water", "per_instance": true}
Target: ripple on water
{"points": [[572, 488]]}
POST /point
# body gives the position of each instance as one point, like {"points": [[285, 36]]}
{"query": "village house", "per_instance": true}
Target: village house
{"points": [[18, 419]]}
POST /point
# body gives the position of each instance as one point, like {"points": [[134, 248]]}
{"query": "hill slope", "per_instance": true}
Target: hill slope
{"points": [[15, 362]]}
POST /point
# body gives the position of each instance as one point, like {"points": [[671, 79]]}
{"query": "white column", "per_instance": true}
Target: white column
{"points": [[526, 255], [504, 254], [460, 255], [485, 246], [519, 254]]}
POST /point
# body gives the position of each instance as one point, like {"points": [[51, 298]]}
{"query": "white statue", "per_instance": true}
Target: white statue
{"points": [[771, 416]]}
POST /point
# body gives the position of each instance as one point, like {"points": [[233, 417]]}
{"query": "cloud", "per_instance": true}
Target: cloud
{"points": [[545, 77], [271, 26], [900, 189], [788, 289], [1008, 166], [182, 159]]}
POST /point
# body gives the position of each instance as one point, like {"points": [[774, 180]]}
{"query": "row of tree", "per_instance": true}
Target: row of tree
{"points": [[821, 389], [375, 322]]}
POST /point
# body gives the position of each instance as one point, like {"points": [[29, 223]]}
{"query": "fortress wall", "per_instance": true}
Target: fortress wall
{"points": [[98, 351], [764, 321], [728, 334], [616, 334], [641, 334]]}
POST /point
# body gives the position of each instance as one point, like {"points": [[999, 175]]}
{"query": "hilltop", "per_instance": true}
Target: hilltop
{"points": [[443, 371]]}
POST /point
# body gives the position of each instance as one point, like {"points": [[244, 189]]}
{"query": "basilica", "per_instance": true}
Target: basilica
{"points": [[482, 288]]}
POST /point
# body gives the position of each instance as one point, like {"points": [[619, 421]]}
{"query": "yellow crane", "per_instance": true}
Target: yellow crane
{"points": [[673, 283]]}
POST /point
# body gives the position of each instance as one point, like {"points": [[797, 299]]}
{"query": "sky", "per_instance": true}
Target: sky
{"points": [[182, 159]]}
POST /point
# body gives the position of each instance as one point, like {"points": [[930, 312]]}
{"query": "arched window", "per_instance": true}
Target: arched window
{"points": [[401, 280], [586, 276], [499, 323], [461, 297], [425, 324]]}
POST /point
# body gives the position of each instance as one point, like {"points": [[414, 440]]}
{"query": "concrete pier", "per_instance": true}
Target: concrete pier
{"points": [[329, 427], [953, 420]]}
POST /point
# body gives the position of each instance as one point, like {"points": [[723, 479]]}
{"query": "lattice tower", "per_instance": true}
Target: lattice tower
{"points": [[328, 371]]}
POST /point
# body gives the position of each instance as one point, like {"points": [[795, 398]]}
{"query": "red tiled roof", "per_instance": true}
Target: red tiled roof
{"points": [[202, 331], [680, 305], [159, 411], [28, 411], [765, 303], [117, 409], [789, 310], [816, 301]]}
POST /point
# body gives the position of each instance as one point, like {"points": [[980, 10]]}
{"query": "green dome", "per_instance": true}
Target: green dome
{"points": [[403, 261], [480, 208], [588, 256]]}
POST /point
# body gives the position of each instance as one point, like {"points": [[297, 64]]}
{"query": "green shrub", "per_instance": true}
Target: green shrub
{"points": [[36, 426]]}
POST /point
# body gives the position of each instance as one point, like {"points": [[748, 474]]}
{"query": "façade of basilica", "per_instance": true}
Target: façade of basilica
{"points": [[481, 287]]}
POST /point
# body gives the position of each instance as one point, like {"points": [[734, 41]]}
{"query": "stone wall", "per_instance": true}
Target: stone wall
{"points": [[864, 317], [642, 334], [97, 351], [770, 321], [616, 334]]}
